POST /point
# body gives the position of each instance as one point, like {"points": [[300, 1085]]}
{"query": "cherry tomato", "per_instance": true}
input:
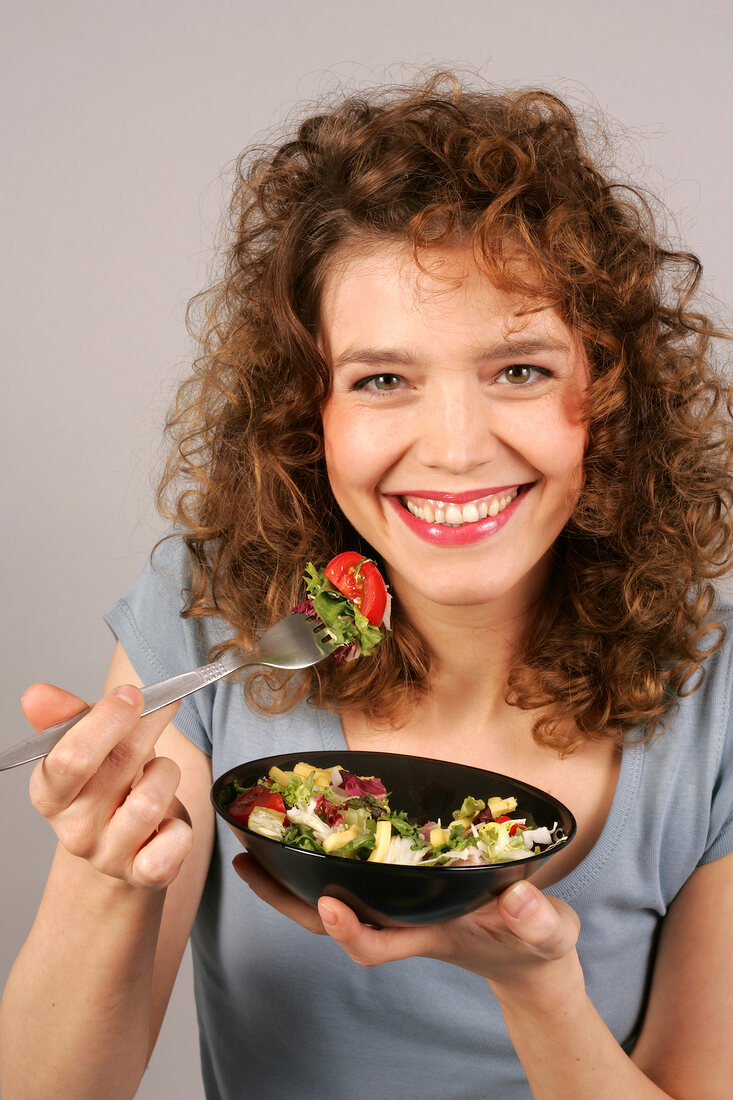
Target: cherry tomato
{"points": [[244, 803], [360, 581]]}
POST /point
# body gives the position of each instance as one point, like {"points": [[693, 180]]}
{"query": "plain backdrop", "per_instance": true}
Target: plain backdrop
{"points": [[119, 125]]}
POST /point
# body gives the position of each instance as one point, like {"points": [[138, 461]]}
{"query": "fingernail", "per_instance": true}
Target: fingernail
{"points": [[129, 694], [520, 899], [326, 913]]}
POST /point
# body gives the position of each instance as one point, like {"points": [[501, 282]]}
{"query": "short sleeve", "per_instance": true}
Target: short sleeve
{"points": [[720, 833], [159, 642]]}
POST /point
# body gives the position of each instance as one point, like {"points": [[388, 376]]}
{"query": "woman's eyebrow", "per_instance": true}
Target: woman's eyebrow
{"points": [[374, 357], [504, 349], [527, 345]]}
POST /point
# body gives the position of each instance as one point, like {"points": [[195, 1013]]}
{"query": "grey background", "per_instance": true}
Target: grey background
{"points": [[118, 122]]}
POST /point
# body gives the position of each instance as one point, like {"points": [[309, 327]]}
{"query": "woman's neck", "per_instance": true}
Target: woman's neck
{"points": [[473, 647], [471, 659]]}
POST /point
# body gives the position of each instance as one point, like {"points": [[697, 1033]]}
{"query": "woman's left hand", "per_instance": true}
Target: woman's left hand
{"points": [[511, 938]]}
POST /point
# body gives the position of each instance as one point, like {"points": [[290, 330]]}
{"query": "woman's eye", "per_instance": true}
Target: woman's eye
{"points": [[382, 383], [521, 374]]}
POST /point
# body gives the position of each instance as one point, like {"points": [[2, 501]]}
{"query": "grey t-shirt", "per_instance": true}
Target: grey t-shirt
{"points": [[283, 1013]]}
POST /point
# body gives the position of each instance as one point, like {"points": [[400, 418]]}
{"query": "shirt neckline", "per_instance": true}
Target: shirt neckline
{"points": [[625, 795]]}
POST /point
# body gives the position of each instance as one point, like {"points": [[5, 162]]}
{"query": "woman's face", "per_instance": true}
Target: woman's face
{"points": [[453, 432]]}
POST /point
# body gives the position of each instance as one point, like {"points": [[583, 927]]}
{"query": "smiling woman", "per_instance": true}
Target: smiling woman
{"points": [[445, 347]]}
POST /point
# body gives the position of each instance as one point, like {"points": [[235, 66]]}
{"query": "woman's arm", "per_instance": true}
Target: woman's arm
{"points": [[86, 997], [529, 960]]}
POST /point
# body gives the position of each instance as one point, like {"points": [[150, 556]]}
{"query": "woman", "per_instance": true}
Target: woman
{"points": [[444, 339]]}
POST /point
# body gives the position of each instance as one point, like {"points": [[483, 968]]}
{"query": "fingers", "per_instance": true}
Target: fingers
{"points": [[373, 946], [520, 930], [110, 800], [159, 861], [546, 924], [143, 834], [127, 758], [44, 705], [71, 764], [104, 750], [275, 895]]}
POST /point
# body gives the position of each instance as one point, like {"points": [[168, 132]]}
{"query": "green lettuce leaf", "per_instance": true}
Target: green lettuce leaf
{"points": [[470, 807], [298, 836]]}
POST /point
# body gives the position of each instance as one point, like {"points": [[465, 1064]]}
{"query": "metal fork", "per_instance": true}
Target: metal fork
{"points": [[294, 642]]}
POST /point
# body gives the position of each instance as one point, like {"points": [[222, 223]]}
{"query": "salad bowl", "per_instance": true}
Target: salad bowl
{"points": [[385, 894]]}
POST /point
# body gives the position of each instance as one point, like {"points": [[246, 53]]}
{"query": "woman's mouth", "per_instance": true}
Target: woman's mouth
{"points": [[450, 514], [457, 519]]}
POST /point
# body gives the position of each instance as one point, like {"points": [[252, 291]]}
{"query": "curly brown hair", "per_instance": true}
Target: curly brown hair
{"points": [[629, 617]]}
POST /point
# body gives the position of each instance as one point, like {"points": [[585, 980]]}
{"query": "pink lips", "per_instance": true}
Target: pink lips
{"points": [[439, 535]]}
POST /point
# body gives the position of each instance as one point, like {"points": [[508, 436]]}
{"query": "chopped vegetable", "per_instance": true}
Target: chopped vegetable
{"points": [[267, 822], [383, 836], [261, 795]]}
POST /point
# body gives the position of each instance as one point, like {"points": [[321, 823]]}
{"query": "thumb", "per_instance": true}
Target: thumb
{"points": [[544, 923], [44, 705]]}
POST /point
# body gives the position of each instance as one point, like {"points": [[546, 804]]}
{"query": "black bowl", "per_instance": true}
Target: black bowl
{"points": [[392, 894]]}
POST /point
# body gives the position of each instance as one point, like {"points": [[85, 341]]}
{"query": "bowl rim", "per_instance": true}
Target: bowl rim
{"points": [[410, 868]]}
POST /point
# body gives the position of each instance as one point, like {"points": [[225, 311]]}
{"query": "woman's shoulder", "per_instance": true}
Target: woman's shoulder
{"points": [[159, 640]]}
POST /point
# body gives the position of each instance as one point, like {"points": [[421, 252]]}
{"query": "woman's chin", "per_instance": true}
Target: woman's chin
{"points": [[447, 592], [456, 599]]}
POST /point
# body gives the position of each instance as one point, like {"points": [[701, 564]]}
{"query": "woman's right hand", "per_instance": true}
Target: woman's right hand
{"points": [[109, 799]]}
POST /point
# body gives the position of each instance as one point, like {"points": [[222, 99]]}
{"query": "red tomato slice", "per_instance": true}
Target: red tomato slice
{"points": [[244, 803], [360, 581]]}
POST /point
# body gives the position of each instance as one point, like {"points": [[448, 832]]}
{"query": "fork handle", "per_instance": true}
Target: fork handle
{"points": [[155, 696], [178, 687]]}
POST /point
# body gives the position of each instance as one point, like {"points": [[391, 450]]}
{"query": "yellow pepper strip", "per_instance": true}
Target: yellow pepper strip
{"points": [[321, 776], [383, 837], [334, 841], [279, 776]]}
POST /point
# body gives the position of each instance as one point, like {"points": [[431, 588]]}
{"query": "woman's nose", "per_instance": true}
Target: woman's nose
{"points": [[456, 433]]}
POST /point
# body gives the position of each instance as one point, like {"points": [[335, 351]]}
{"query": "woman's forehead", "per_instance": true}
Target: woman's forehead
{"points": [[386, 284]]}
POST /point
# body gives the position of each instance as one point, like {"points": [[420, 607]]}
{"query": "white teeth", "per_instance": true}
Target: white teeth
{"points": [[453, 515]]}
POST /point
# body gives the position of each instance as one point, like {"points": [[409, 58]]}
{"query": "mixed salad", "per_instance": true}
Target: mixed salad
{"points": [[333, 811], [352, 601]]}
